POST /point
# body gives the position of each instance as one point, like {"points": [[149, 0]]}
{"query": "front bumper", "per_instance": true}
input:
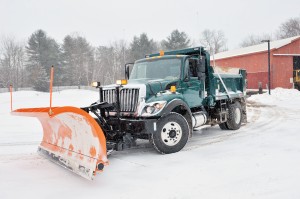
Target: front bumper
{"points": [[133, 126]]}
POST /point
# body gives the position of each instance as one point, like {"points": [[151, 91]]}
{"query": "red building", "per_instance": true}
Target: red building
{"points": [[284, 58]]}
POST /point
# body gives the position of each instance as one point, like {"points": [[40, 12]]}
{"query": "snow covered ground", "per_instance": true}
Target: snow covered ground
{"points": [[261, 160]]}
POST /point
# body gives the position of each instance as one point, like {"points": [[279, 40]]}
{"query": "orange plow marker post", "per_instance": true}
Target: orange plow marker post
{"points": [[72, 138], [50, 90], [10, 91]]}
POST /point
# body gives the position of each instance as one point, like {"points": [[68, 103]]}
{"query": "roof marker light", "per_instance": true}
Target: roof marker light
{"points": [[161, 53]]}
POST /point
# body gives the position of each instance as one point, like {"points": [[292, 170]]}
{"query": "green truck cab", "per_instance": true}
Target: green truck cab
{"points": [[168, 95]]}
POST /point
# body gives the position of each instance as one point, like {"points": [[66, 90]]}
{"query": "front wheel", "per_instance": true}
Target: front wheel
{"points": [[172, 133]]}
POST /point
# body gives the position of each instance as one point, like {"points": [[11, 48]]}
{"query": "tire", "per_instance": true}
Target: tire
{"points": [[223, 126], [172, 133], [235, 115]]}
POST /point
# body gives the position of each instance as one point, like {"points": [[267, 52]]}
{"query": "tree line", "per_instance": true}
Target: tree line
{"points": [[78, 62], [75, 61], [289, 28]]}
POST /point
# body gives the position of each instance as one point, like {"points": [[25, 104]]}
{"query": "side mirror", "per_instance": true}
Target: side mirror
{"points": [[201, 66], [201, 69], [127, 71]]}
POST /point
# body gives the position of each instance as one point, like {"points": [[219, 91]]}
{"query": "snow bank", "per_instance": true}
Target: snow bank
{"points": [[279, 96], [27, 99]]}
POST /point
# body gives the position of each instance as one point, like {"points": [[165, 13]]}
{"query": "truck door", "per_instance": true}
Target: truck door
{"points": [[191, 85]]}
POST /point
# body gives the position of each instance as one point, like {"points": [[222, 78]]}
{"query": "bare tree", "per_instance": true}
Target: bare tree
{"points": [[12, 63], [213, 40], [289, 28], [110, 61], [104, 64], [99, 66], [255, 39], [120, 57]]}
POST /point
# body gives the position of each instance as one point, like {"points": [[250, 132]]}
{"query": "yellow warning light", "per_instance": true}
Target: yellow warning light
{"points": [[95, 84], [161, 53], [173, 89], [122, 82]]}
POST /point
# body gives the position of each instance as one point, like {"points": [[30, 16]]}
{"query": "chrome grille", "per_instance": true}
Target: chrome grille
{"points": [[128, 98]]}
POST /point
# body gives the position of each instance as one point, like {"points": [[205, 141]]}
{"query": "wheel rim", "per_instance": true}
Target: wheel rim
{"points": [[171, 133], [237, 115]]}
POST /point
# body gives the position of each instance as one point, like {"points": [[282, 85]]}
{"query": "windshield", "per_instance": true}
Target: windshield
{"points": [[157, 69]]}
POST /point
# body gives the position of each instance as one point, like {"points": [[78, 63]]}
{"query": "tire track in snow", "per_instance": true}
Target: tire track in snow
{"points": [[34, 157], [256, 124], [18, 143]]}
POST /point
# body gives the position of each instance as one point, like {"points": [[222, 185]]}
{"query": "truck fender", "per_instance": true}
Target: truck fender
{"points": [[183, 109]]}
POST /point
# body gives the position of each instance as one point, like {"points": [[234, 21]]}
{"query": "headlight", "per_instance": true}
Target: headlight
{"points": [[153, 108], [149, 109]]}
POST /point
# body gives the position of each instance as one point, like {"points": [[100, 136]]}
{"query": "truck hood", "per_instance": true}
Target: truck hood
{"points": [[153, 86], [148, 87]]}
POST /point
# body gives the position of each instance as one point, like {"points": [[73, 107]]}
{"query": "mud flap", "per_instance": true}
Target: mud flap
{"points": [[244, 110], [71, 138]]}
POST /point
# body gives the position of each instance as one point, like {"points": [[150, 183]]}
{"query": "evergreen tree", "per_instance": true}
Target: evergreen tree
{"points": [[78, 57], [41, 80], [177, 40], [142, 45], [42, 53]]}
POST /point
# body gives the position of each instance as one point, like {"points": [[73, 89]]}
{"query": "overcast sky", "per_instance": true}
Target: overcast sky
{"points": [[102, 22]]}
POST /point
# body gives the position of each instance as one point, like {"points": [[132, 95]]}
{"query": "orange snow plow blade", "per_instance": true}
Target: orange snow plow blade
{"points": [[71, 138]]}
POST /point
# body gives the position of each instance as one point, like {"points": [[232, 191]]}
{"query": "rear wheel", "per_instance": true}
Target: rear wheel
{"points": [[172, 133], [234, 116], [223, 126], [234, 120]]}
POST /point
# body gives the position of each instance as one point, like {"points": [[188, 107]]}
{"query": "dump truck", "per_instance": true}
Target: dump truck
{"points": [[163, 98]]}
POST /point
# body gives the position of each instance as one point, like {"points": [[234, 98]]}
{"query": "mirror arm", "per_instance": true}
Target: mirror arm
{"points": [[127, 70]]}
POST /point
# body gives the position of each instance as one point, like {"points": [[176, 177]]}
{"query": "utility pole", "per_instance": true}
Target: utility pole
{"points": [[269, 66]]}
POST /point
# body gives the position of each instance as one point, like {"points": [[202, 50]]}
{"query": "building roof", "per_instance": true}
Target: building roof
{"points": [[254, 49]]}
